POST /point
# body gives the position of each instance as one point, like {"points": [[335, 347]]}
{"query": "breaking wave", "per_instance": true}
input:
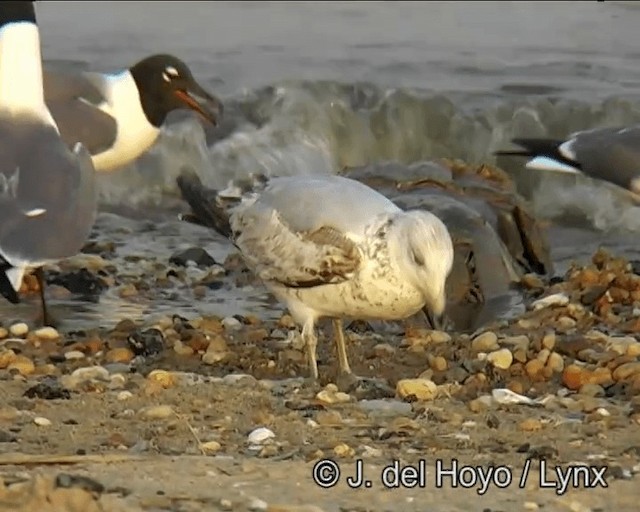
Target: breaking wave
{"points": [[299, 127]]}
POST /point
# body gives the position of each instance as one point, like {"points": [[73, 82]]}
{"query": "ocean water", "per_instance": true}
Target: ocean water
{"points": [[313, 87]]}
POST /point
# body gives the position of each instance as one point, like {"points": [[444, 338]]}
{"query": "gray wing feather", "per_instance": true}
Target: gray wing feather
{"points": [[611, 154], [78, 119], [293, 258], [49, 178]]}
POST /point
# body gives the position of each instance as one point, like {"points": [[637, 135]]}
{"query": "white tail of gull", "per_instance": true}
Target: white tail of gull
{"points": [[47, 193], [329, 246]]}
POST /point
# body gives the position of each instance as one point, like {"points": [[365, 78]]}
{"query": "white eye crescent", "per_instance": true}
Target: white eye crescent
{"points": [[169, 73]]}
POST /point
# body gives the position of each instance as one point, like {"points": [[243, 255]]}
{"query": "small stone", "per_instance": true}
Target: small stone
{"points": [[515, 386], [555, 362], [421, 389], [501, 358], [287, 322], [485, 342], [119, 355], [90, 373], [164, 378], [543, 356], [383, 350], [8, 414], [257, 505], [549, 341], [127, 290], [257, 335], [196, 255], [557, 299], [157, 412], [331, 395], [517, 342], [439, 337], [520, 355], [592, 390], [530, 425], [74, 354], [385, 407], [18, 330], [231, 323], [369, 452], [47, 334], [42, 422], [574, 377], [181, 349], [217, 344], [23, 365], [329, 418], [212, 358], [3, 333], [217, 351], [117, 381], [124, 395], [210, 447], [344, 450], [7, 356], [260, 436], [531, 505], [506, 396], [480, 404], [438, 364], [529, 323], [565, 323], [533, 367], [626, 370], [588, 403]]}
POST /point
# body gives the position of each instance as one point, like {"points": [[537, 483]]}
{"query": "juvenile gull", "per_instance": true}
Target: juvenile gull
{"points": [[608, 154], [47, 192], [119, 116], [329, 246]]}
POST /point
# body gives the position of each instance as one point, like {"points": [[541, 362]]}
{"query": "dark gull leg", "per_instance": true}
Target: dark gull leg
{"points": [[47, 320]]}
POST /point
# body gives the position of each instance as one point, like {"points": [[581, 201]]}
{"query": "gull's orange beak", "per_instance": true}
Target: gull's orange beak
{"points": [[205, 104]]}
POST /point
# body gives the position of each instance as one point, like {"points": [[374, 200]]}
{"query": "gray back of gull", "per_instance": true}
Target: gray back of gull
{"points": [[610, 154], [79, 119], [47, 193]]}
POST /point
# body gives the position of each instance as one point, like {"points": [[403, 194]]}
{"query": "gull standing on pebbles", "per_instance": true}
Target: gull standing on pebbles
{"points": [[329, 246], [47, 193]]}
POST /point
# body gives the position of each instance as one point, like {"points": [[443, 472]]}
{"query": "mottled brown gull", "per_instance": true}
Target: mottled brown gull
{"points": [[329, 246]]}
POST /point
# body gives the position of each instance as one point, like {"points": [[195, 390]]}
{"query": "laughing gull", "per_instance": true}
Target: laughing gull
{"points": [[608, 154], [330, 246], [119, 116], [47, 192]]}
